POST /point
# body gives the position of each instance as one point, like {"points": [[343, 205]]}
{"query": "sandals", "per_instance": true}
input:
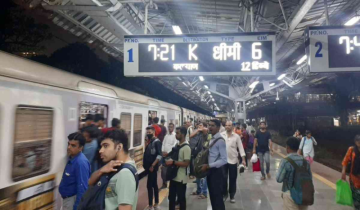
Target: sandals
{"points": [[262, 178], [202, 196]]}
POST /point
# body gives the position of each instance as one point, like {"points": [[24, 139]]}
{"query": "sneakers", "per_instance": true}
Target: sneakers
{"points": [[232, 200], [149, 208]]}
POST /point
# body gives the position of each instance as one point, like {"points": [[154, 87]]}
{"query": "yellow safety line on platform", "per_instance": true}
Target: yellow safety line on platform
{"points": [[162, 195], [322, 179]]}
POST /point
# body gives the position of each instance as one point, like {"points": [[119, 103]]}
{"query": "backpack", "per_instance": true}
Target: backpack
{"points": [[149, 158], [203, 158], [94, 197], [302, 191], [171, 171]]}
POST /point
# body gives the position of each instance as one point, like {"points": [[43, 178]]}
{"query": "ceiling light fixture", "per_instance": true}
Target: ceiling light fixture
{"points": [[352, 21], [184, 84], [301, 60], [281, 76], [201, 78], [97, 2], [253, 85], [213, 99], [177, 29], [206, 87], [178, 78], [209, 92], [272, 84]]}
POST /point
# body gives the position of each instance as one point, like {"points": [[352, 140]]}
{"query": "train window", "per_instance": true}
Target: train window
{"points": [[152, 115], [125, 119], [32, 141], [93, 109], [137, 130]]}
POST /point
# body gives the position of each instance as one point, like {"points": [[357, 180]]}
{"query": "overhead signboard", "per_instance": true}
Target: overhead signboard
{"points": [[333, 49], [200, 54]]}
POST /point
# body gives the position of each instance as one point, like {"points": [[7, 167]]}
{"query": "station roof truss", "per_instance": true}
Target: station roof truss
{"points": [[105, 22]]}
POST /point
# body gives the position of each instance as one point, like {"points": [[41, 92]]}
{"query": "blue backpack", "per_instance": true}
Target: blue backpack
{"points": [[303, 190], [94, 197]]}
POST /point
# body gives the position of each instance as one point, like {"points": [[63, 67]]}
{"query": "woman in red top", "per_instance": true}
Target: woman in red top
{"points": [[353, 156]]}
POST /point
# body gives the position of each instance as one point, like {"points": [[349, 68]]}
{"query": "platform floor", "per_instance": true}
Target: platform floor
{"points": [[254, 194]]}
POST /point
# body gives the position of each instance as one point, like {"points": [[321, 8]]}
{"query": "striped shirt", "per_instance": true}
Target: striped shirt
{"points": [[286, 171]]}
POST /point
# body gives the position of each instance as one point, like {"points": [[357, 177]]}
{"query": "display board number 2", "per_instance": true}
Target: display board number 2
{"points": [[318, 53], [130, 55]]}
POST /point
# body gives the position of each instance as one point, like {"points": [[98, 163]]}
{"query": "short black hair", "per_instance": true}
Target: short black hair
{"points": [[252, 131], [171, 124], [89, 117], [150, 128], [115, 122], [217, 122], [118, 136], [293, 143], [263, 122], [156, 120], [182, 129], [244, 125], [357, 138], [92, 130], [77, 136], [308, 132]]}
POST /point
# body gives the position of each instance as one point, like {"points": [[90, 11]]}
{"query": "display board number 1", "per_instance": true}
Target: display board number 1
{"points": [[318, 52], [130, 55]]}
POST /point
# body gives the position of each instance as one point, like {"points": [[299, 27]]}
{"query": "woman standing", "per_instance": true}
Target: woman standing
{"points": [[353, 157]]}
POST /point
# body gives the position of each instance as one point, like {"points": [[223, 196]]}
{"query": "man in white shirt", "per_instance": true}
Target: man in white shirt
{"points": [[169, 142], [190, 129], [233, 142]]}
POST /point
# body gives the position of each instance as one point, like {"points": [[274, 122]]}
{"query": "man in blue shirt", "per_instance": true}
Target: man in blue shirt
{"points": [[75, 178], [217, 159]]}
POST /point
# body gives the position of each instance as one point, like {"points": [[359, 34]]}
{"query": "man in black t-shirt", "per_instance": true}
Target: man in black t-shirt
{"points": [[261, 147]]}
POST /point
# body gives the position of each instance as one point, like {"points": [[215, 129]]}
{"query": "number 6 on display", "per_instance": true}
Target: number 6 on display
{"points": [[318, 53]]}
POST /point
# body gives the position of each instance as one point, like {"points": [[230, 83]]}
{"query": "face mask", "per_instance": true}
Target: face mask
{"points": [[149, 136]]}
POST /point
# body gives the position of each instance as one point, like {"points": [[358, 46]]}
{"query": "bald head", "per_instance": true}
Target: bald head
{"points": [[229, 126]]}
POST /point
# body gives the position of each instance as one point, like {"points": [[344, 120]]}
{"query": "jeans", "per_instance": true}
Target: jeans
{"points": [[265, 156], [201, 186], [215, 181], [231, 174], [177, 189], [163, 174], [152, 187]]}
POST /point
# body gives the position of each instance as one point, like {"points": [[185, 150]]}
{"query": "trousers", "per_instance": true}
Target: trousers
{"points": [[177, 189], [289, 203], [215, 181], [163, 174], [264, 157], [68, 203], [152, 187], [230, 172]]}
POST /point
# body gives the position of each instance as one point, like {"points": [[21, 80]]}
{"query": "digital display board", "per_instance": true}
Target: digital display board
{"points": [[333, 49], [200, 54]]}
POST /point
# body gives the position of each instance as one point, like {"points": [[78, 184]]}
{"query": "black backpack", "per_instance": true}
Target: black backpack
{"points": [[94, 197], [171, 171]]}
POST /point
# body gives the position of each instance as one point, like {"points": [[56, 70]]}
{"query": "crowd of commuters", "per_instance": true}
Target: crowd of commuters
{"points": [[96, 151]]}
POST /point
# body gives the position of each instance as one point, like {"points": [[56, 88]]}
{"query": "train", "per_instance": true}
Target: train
{"points": [[40, 105]]}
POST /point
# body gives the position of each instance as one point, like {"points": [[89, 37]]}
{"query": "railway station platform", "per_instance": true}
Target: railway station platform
{"points": [[254, 194]]}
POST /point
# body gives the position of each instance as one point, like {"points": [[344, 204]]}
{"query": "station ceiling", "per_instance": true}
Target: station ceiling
{"points": [[105, 22]]}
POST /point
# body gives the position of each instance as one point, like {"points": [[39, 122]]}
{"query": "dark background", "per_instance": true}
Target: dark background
{"points": [[337, 53]]}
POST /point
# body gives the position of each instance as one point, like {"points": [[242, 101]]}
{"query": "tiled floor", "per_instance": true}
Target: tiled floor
{"points": [[253, 194]]}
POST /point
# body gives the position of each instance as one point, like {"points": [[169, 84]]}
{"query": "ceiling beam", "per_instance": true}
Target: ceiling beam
{"points": [[297, 17]]}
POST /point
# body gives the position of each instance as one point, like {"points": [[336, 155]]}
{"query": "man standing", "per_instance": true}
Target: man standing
{"points": [[90, 150], [261, 147], [151, 159], [178, 184], [121, 192], [169, 142], [99, 121], [217, 159], [286, 174], [156, 126], [115, 125], [75, 178], [306, 148], [190, 129], [163, 130], [233, 144]]}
